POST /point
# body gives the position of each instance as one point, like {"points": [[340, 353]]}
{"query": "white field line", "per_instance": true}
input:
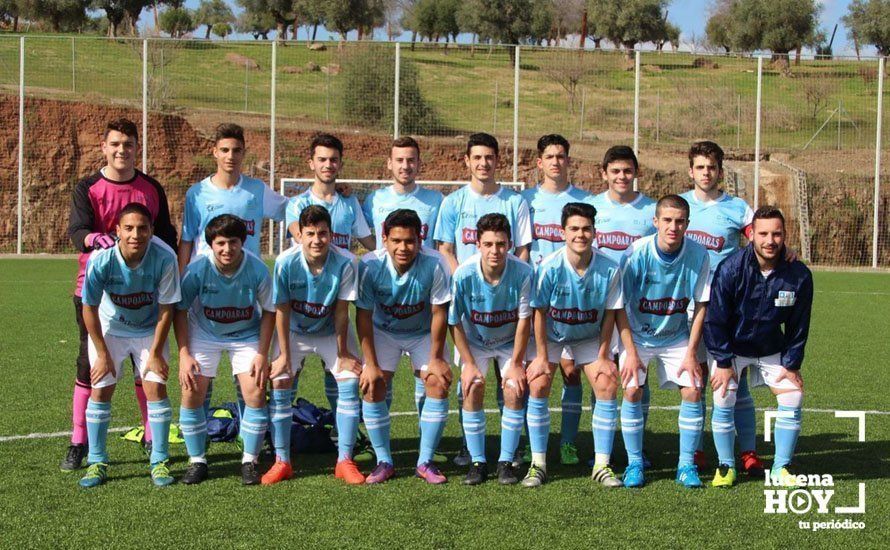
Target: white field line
{"points": [[50, 435]]}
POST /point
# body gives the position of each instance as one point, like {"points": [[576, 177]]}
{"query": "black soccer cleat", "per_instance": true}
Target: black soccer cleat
{"points": [[195, 473], [507, 473], [477, 474], [249, 475], [74, 458]]}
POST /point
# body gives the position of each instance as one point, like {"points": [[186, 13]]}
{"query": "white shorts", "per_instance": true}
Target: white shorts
{"points": [[667, 361], [391, 347], [120, 347], [208, 355], [764, 371], [325, 347], [504, 359], [581, 353]]}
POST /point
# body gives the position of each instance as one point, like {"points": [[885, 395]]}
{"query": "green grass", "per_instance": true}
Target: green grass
{"points": [[43, 507]]}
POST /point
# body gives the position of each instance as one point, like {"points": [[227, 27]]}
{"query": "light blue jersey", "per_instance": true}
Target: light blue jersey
{"points": [[717, 225], [546, 218], [380, 202], [657, 293], [346, 216], [576, 304], [619, 225], [402, 304], [312, 297], [128, 298], [462, 209], [226, 308], [251, 200], [489, 314]]}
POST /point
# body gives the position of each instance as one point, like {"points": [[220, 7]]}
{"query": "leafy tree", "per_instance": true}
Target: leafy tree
{"points": [[281, 12], [176, 22], [627, 23], [257, 24], [222, 30], [59, 14], [211, 12], [119, 12], [868, 22], [717, 30], [541, 24], [309, 13], [776, 25], [9, 12], [360, 15]]}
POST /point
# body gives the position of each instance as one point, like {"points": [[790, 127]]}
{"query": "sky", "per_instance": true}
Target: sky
{"points": [[689, 15]]}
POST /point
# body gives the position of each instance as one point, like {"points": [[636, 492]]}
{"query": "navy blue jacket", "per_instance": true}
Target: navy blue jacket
{"points": [[746, 312]]}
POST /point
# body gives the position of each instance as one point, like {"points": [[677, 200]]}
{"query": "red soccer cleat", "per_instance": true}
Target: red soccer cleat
{"points": [[279, 471]]}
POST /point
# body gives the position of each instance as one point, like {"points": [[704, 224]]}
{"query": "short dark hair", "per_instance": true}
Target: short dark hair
{"points": [[493, 222], [402, 217], [325, 140], [225, 225], [122, 125], [405, 141], [672, 201], [620, 152], [228, 130], [552, 139], [313, 215], [578, 209], [485, 140], [707, 149], [768, 212], [135, 208]]}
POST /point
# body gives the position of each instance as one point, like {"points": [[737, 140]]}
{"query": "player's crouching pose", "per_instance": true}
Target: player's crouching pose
{"points": [[221, 290], [491, 319], [402, 308], [313, 284], [128, 296], [754, 293], [661, 274], [577, 294]]}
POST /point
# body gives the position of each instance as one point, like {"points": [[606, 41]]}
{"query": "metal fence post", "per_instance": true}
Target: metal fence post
{"points": [[272, 140], [395, 106], [73, 70], [874, 238], [637, 57], [757, 132], [516, 117], [144, 104], [18, 246]]}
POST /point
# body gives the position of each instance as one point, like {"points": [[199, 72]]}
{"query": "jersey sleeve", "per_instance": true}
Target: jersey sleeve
{"points": [[522, 233], [349, 282], [797, 328], [264, 292], [441, 291], [82, 217], [747, 221], [280, 283], [188, 288], [93, 282], [446, 222], [292, 211], [191, 218], [455, 310], [368, 210], [525, 297], [543, 288], [365, 298], [169, 291], [163, 227], [274, 205], [360, 228], [721, 306], [615, 297], [702, 291]]}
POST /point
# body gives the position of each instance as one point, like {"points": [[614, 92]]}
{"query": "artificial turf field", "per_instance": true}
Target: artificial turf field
{"points": [[845, 368]]}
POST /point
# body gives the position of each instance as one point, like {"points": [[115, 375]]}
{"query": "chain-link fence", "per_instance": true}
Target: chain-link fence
{"points": [[818, 121]]}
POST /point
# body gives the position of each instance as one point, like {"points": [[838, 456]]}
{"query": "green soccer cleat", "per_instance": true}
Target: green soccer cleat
{"points": [[535, 477], [725, 477], [96, 475], [783, 477], [568, 454], [160, 474], [439, 458]]}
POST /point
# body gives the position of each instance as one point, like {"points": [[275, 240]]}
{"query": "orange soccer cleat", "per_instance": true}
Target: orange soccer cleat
{"points": [[279, 471], [348, 471]]}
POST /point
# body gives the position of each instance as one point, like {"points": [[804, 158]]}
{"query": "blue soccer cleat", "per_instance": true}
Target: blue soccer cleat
{"points": [[687, 475], [95, 476], [633, 475]]}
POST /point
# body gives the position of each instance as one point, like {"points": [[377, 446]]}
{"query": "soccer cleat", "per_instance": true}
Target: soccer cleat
{"points": [[195, 473], [96, 475], [463, 457], [568, 454], [280, 471], [605, 476], [687, 476], [439, 458], [752, 464], [430, 473], [146, 447], [348, 471], [74, 458], [725, 476], [527, 454], [633, 475], [518, 458], [507, 473], [647, 464], [160, 474], [249, 475], [477, 474], [364, 451], [701, 461], [783, 477], [384, 471], [535, 477]]}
